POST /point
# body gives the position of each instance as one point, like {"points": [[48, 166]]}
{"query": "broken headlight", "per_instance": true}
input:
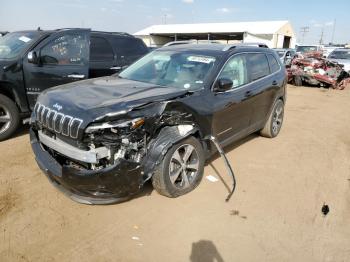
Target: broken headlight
{"points": [[114, 126]]}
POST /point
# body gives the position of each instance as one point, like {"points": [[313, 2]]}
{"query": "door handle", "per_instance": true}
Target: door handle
{"points": [[248, 93], [76, 76], [116, 68], [274, 83]]}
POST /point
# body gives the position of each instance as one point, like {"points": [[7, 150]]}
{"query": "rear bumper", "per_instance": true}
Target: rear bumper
{"points": [[114, 184]]}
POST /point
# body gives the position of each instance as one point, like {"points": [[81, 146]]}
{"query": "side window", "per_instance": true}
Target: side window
{"points": [[130, 46], [274, 65], [236, 70], [70, 49], [258, 66], [100, 49]]}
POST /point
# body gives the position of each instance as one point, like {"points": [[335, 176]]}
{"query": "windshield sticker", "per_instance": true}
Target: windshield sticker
{"points": [[201, 59], [24, 39]]}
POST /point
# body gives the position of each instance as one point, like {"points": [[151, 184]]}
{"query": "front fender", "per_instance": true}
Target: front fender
{"points": [[159, 146]]}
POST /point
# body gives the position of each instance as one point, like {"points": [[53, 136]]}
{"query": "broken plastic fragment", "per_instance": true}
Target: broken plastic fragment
{"points": [[212, 178]]}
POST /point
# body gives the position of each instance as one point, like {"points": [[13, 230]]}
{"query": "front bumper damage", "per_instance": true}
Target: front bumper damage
{"points": [[113, 184]]}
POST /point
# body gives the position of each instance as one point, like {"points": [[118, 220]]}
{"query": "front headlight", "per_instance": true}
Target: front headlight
{"points": [[131, 124]]}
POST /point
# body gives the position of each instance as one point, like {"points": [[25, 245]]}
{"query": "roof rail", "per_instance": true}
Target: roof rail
{"points": [[180, 43], [228, 47], [192, 41]]}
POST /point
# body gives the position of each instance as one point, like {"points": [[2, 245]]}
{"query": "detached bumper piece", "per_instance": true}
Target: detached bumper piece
{"points": [[110, 185]]}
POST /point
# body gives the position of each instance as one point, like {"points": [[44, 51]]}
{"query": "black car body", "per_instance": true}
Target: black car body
{"points": [[32, 61], [99, 140]]}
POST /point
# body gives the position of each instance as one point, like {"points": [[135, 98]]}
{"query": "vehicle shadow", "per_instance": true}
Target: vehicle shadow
{"points": [[22, 130], [205, 251]]}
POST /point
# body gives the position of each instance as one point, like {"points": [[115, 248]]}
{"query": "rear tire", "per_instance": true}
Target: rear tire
{"points": [[298, 81], [181, 169], [9, 117], [274, 123]]}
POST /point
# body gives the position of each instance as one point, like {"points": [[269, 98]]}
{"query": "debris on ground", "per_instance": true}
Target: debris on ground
{"points": [[212, 178], [325, 209], [313, 69]]}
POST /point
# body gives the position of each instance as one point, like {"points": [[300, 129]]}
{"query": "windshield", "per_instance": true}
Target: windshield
{"points": [[12, 44], [340, 54], [306, 49], [171, 68]]}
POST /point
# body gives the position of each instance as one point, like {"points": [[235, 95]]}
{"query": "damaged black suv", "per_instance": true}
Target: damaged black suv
{"points": [[100, 140]]}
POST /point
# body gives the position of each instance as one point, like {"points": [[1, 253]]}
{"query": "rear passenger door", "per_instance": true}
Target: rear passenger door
{"points": [[264, 85], [102, 57]]}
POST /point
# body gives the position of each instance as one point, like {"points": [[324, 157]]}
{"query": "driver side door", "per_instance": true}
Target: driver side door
{"points": [[232, 109], [62, 58]]}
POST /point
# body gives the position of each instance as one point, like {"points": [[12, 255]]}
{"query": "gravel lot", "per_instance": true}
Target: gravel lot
{"points": [[274, 215]]}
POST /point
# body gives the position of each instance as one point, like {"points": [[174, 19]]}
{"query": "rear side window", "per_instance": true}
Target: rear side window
{"points": [[258, 66], [274, 65], [236, 70], [130, 46], [100, 49]]}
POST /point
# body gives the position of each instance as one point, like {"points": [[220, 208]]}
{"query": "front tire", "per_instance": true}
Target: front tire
{"points": [[274, 123], [9, 117], [181, 170]]}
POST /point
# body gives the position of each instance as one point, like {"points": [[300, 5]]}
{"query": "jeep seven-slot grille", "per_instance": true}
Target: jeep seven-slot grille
{"points": [[56, 121]]}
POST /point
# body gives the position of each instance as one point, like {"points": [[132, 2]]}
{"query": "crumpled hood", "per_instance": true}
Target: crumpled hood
{"points": [[94, 98]]}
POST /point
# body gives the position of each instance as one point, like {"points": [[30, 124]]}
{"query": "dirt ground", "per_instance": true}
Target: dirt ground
{"points": [[274, 215]]}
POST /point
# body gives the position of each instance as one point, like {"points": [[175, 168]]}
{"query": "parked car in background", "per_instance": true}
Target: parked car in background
{"points": [[328, 49], [341, 56], [100, 140], [309, 48], [286, 55], [32, 61]]}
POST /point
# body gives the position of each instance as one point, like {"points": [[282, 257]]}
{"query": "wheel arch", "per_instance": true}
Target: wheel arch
{"points": [[8, 90]]}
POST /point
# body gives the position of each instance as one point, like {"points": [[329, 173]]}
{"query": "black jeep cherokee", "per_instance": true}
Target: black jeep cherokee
{"points": [[32, 61], [99, 140]]}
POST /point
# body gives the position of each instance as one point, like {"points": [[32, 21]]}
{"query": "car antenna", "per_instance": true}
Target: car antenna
{"points": [[227, 164]]}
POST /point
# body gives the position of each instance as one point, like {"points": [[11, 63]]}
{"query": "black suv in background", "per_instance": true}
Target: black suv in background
{"points": [[99, 140], [32, 61]]}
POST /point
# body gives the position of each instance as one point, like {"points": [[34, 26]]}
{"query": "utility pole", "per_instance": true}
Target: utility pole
{"points": [[165, 17], [335, 21], [321, 38], [304, 30]]}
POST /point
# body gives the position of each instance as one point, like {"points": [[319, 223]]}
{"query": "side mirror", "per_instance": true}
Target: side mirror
{"points": [[32, 57], [223, 85]]}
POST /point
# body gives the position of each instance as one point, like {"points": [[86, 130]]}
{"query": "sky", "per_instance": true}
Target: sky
{"points": [[133, 15]]}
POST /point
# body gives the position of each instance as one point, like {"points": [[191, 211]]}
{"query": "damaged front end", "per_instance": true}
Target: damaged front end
{"points": [[116, 154]]}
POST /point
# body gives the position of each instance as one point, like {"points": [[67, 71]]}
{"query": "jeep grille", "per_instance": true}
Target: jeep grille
{"points": [[57, 122]]}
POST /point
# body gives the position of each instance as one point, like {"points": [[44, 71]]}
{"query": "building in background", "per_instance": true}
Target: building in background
{"points": [[275, 34]]}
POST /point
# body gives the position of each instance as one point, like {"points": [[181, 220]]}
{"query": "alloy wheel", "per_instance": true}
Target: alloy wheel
{"points": [[277, 118], [184, 166], [5, 119]]}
